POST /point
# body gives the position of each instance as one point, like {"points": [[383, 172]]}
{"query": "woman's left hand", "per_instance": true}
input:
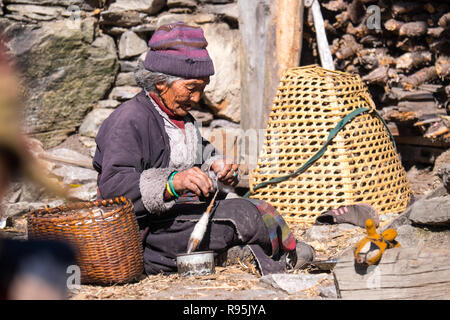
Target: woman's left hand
{"points": [[226, 171]]}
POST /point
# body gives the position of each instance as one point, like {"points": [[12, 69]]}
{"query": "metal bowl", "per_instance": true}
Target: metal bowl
{"points": [[196, 264]]}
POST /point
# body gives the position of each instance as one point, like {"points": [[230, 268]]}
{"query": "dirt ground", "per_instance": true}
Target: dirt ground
{"points": [[239, 281]]}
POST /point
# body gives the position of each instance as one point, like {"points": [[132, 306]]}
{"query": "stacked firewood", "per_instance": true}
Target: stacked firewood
{"points": [[403, 55]]}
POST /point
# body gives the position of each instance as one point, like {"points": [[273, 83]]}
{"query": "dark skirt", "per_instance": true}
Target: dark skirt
{"points": [[233, 222]]}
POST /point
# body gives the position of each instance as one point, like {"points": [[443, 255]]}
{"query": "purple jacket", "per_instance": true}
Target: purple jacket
{"points": [[132, 148]]}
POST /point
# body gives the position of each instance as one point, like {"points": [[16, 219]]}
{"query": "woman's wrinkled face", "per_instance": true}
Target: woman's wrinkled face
{"points": [[182, 95]]}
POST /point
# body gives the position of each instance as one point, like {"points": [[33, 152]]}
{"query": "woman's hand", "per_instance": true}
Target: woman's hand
{"points": [[193, 179], [226, 171]]}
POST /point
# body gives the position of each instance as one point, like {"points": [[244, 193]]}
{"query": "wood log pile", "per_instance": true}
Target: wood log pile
{"points": [[403, 55]]}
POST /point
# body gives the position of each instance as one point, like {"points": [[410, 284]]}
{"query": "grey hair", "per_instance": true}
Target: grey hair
{"points": [[147, 79]]}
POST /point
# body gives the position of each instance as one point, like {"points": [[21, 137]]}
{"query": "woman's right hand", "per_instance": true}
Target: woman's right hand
{"points": [[193, 179]]}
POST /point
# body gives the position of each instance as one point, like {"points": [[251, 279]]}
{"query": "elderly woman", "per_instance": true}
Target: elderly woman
{"points": [[150, 151]]}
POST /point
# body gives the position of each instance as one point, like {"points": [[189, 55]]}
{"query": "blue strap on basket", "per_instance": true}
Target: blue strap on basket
{"points": [[322, 150]]}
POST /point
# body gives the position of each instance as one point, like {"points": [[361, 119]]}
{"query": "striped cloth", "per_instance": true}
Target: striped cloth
{"points": [[280, 235], [180, 50]]}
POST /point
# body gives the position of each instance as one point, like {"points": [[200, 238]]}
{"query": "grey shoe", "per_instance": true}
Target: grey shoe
{"points": [[301, 257], [238, 254]]}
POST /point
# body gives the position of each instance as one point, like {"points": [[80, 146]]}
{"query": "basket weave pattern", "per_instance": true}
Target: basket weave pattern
{"points": [[360, 164], [104, 234]]}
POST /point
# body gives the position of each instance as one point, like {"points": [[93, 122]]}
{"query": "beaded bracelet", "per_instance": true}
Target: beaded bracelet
{"points": [[171, 184], [168, 189]]}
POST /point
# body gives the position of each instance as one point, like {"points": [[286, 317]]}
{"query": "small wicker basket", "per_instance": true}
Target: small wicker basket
{"points": [[359, 165], [104, 234]]}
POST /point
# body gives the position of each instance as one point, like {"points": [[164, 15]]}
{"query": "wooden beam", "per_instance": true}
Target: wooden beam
{"points": [[271, 43], [289, 24], [403, 273], [254, 18]]}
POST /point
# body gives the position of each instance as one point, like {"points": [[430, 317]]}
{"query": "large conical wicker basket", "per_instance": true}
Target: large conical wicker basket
{"points": [[359, 165]]}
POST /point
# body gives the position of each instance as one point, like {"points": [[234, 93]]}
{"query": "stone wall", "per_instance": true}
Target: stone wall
{"points": [[77, 59]]}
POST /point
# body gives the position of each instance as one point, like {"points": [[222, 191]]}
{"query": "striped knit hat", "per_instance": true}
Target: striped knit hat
{"points": [[179, 50]]}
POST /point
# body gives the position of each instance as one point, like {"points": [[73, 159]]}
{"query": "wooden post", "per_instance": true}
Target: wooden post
{"points": [[402, 273], [254, 18], [271, 43], [324, 49], [289, 18]]}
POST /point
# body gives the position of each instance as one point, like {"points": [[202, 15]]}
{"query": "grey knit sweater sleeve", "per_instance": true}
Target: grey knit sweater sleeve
{"points": [[126, 144]]}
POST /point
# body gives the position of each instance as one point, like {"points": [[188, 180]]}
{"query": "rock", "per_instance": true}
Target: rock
{"points": [[440, 191], [148, 27], [14, 210], [228, 11], [66, 70], [65, 153], [216, 1], [148, 6], [121, 18], [401, 220], [126, 79], [13, 193], [441, 160], [128, 66], [131, 45], [124, 93], [223, 92], [141, 58], [293, 283], [387, 217], [93, 121], [114, 31], [90, 144], [31, 193], [36, 12], [23, 192], [408, 236], [327, 232], [181, 3], [444, 174], [328, 292], [1, 7], [145, 27], [83, 4], [202, 117], [86, 192], [434, 212], [108, 104], [201, 18], [72, 175]]}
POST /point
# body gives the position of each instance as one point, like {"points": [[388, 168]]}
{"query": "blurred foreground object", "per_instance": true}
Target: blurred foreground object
{"points": [[13, 143], [28, 269]]}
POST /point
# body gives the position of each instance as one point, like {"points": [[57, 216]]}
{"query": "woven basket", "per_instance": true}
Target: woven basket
{"points": [[359, 165], [104, 234]]}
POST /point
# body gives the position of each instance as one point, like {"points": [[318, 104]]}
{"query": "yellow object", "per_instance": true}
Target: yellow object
{"points": [[360, 165], [369, 250], [168, 189]]}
